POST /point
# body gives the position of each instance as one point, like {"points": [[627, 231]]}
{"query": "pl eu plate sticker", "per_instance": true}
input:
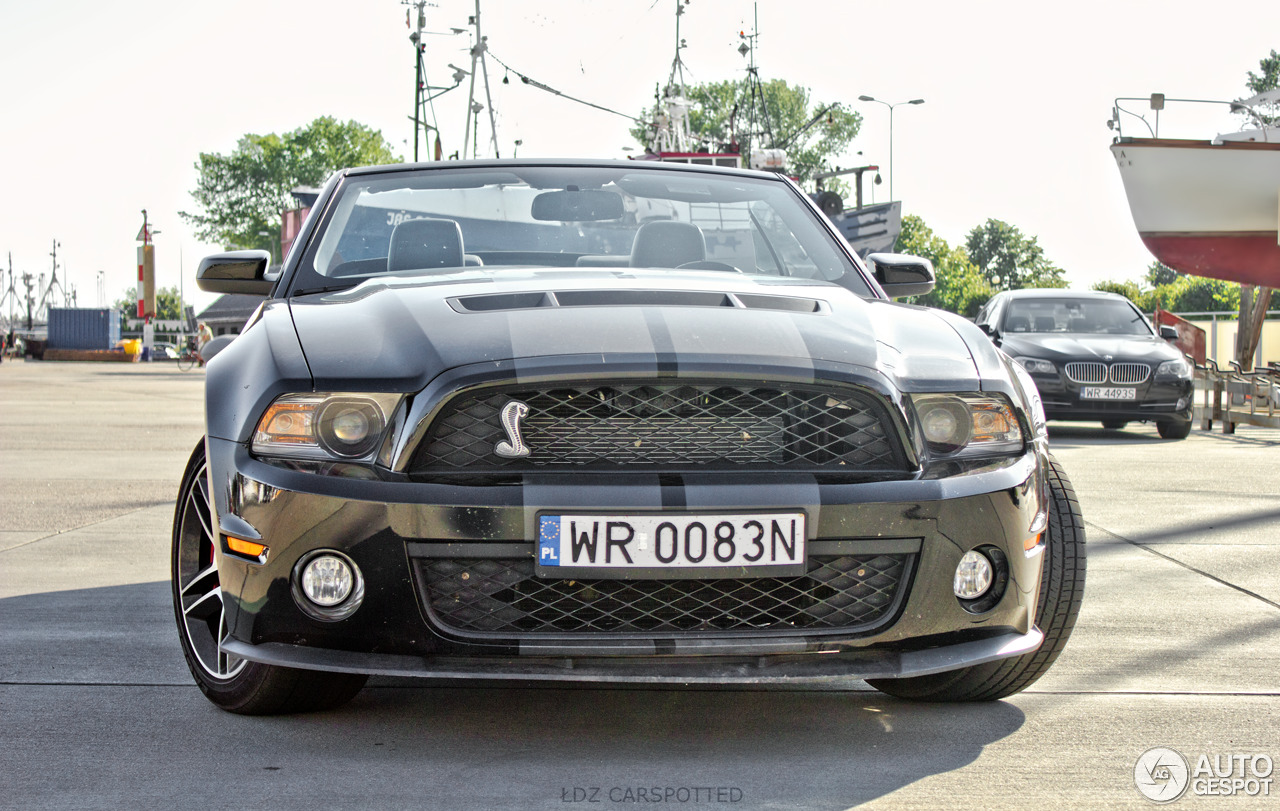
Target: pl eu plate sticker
{"points": [[549, 540]]}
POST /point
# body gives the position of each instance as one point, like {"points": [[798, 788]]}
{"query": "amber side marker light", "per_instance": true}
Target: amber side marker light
{"points": [[1031, 543], [247, 548]]}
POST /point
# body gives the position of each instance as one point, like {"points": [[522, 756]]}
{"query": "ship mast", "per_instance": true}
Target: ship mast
{"points": [[474, 108], [671, 127]]}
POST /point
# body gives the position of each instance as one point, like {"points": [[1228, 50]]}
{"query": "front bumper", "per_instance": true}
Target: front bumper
{"points": [[380, 525], [1154, 400]]}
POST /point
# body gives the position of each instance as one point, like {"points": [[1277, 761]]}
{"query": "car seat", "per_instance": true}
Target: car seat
{"points": [[667, 244], [426, 244]]}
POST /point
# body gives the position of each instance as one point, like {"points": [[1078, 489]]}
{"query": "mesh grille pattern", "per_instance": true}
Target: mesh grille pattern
{"points": [[666, 425], [504, 596]]}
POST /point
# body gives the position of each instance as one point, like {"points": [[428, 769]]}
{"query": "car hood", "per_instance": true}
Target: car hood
{"points": [[1107, 348], [402, 333]]}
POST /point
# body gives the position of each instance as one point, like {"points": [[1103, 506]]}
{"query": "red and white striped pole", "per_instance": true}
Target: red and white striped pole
{"points": [[146, 272]]}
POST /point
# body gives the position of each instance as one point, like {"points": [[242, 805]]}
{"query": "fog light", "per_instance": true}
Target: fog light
{"points": [[973, 576], [327, 580]]}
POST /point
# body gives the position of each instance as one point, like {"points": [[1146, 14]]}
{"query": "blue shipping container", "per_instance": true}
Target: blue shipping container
{"points": [[83, 328]]}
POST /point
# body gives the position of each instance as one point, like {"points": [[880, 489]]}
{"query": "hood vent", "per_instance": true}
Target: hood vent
{"points": [[491, 302]]}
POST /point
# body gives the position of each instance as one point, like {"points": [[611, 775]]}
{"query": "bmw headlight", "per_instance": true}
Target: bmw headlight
{"points": [[329, 426], [965, 425], [1036, 366], [1179, 369]]}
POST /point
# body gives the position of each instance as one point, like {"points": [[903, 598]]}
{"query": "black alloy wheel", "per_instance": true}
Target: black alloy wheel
{"points": [[234, 684]]}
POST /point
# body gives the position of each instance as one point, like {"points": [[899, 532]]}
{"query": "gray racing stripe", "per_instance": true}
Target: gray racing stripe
{"points": [[764, 491]]}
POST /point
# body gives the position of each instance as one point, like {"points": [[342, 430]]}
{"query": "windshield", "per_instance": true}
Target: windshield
{"points": [[1088, 316], [474, 222]]}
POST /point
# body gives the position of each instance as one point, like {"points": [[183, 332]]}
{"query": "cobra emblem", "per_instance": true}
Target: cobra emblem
{"points": [[513, 447]]}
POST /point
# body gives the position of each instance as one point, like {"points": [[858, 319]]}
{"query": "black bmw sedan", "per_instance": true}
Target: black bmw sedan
{"points": [[610, 422], [1094, 357]]}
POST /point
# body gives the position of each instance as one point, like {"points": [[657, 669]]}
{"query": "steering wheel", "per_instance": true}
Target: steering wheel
{"points": [[708, 264]]}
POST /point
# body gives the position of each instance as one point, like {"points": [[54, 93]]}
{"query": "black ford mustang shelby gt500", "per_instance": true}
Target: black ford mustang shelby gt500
{"points": [[610, 421]]}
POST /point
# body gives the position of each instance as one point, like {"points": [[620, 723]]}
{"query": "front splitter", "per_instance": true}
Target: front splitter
{"points": [[813, 668]]}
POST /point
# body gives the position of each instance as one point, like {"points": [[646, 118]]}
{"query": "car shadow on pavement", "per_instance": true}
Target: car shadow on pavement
{"points": [[78, 658], [796, 748], [1076, 435]]}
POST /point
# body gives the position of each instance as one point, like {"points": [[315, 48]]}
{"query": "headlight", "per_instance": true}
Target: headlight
{"points": [[330, 426], [968, 424], [1036, 366], [1179, 369]]}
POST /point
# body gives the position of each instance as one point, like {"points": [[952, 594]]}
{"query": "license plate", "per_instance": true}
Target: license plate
{"points": [[666, 545], [1108, 393]]}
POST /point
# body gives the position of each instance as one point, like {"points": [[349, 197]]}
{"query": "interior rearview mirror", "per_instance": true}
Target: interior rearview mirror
{"points": [[577, 205]]}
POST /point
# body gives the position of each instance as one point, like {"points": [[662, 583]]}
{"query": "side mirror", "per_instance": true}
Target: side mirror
{"points": [[902, 275], [990, 331], [236, 272], [1168, 332]]}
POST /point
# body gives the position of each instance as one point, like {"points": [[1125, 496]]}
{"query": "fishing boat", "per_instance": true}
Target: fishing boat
{"points": [[1207, 207]]}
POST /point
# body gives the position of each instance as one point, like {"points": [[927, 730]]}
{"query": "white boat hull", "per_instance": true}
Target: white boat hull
{"points": [[1209, 209]]}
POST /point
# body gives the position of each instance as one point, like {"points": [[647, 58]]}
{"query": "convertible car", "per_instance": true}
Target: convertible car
{"points": [[611, 421]]}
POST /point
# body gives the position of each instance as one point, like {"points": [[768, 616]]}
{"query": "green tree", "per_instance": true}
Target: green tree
{"points": [[242, 194], [1158, 273], [1144, 299], [718, 120], [1185, 294], [1010, 260], [1196, 294], [168, 304], [961, 287], [1268, 79]]}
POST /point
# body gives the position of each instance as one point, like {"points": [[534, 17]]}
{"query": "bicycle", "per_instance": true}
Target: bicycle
{"points": [[188, 359]]}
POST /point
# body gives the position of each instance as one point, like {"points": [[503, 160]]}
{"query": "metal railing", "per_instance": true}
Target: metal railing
{"points": [[1236, 397]]}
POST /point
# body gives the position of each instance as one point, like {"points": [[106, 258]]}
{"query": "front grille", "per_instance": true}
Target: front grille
{"points": [[1087, 372], [666, 425], [486, 596], [1095, 372], [1130, 372]]}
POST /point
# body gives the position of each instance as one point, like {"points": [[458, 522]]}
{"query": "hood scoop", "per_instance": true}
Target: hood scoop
{"points": [[491, 302]]}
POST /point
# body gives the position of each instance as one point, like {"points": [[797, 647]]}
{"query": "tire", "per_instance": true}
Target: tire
{"points": [[1114, 425], [1058, 605], [1174, 430], [235, 685], [831, 203], [185, 361]]}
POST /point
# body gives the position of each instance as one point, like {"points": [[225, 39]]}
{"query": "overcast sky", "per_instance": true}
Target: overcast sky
{"points": [[105, 106]]}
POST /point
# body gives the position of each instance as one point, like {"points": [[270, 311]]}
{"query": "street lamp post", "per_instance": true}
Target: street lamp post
{"points": [[890, 106]]}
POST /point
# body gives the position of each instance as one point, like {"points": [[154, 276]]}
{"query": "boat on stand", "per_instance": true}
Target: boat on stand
{"points": [[1206, 207], [1211, 208]]}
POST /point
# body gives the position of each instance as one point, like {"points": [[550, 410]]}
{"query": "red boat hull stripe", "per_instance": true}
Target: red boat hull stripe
{"points": [[1248, 258]]}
